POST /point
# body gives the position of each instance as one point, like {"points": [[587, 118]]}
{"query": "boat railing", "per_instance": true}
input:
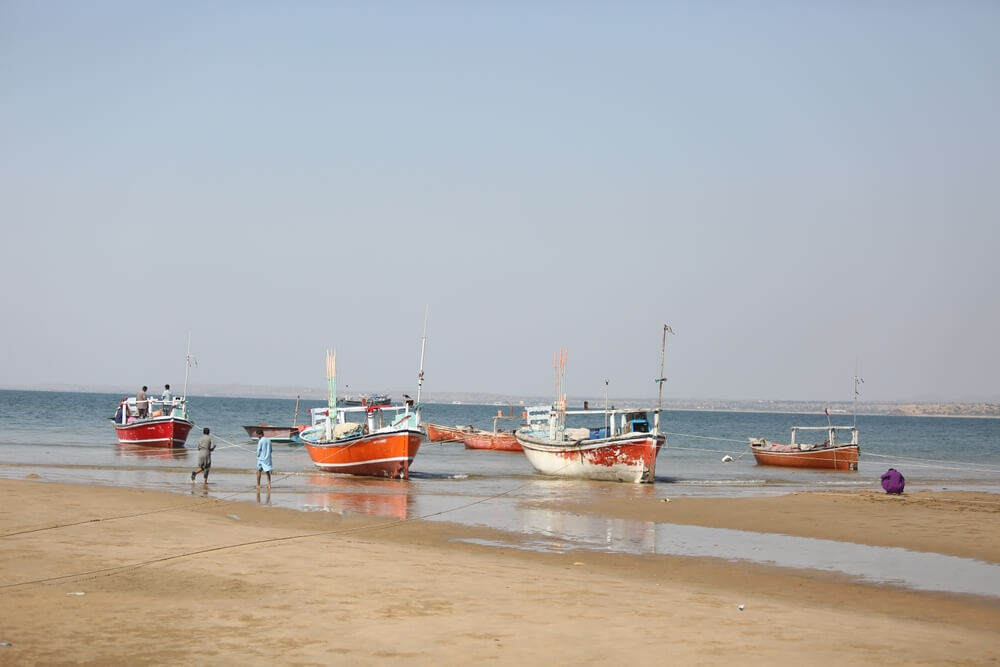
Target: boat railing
{"points": [[831, 432]]}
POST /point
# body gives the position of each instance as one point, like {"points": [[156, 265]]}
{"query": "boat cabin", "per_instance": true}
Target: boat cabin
{"points": [[851, 433], [127, 412], [618, 422], [369, 418]]}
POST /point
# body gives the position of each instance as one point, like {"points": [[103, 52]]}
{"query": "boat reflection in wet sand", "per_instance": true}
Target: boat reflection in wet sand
{"points": [[143, 452], [356, 496]]}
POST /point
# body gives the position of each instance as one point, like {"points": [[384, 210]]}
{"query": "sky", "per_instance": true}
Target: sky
{"points": [[802, 191]]}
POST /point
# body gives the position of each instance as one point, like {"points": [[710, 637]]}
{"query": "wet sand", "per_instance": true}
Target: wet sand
{"points": [[94, 575]]}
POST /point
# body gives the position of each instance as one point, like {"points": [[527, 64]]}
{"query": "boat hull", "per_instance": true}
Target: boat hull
{"points": [[155, 432], [624, 458], [275, 433], [503, 442], [829, 458], [439, 433], [375, 455]]}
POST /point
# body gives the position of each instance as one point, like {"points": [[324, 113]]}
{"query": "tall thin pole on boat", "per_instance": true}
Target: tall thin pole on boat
{"points": [[660, 380], [423, 345], [607, 417], [187, 367], [331, 380], [857, 380], [295, 419]]}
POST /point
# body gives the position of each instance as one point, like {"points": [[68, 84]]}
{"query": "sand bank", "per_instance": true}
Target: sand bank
{"points": [[98, 575]]}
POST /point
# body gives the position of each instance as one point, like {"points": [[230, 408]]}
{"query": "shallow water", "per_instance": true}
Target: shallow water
{"points": [[68, 437]]}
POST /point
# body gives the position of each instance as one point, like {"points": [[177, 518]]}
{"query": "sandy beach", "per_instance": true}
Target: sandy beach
{"points": [[98, 575]]}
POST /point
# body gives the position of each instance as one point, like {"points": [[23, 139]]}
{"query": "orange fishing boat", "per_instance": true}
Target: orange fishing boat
{"points": [[383, 443], [829, 454]]}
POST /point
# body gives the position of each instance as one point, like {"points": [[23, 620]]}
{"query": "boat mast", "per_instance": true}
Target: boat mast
{"points": [[331, 380], [607, 417], [857, 380], [187, 367], [420, 374], [660, 380]]}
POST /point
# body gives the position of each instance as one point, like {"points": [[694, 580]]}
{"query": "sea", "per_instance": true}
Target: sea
{"points": [[69, 437]]}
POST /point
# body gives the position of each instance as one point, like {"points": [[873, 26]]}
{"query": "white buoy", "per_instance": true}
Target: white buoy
{"points": [[727, 458]]}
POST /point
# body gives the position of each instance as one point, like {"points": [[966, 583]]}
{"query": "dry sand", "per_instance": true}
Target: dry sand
{"points": [[98, 575]]}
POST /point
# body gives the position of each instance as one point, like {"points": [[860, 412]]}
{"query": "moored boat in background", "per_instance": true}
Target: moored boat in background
{"points": [[275, 433], [278, 433], [440, 433], [498, 439], [828, 454]]}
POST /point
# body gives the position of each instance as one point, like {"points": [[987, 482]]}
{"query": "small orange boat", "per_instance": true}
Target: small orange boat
{"points": [[497, 439], [829, 454], [439, 433]]}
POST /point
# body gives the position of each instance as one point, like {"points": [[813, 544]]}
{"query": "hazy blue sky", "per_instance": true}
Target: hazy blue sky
{"points": [[794, 187]]}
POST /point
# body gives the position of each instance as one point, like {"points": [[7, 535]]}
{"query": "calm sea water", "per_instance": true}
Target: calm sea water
{"points": [[68, 437]]}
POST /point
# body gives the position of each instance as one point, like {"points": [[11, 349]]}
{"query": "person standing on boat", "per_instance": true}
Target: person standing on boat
{"points": [[167, 399], [263, 457], [205, 449], [141, 403]]}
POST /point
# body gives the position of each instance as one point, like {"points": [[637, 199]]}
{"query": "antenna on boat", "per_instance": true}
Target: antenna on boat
{"points": [[606, 415], [660, 380], [187, 365], [423, 345], [857, 380]]}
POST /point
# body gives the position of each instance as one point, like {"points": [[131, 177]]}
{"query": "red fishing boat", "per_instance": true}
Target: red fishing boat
{"points": [[165, 423], [382, 444], [829, 454], [166, 427]]}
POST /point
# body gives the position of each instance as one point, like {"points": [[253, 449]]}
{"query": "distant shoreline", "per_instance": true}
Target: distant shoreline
{"points": [[972, 410]]}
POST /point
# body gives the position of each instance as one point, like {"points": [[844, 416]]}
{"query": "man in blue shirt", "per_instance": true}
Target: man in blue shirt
{"points": [[263, 457]]}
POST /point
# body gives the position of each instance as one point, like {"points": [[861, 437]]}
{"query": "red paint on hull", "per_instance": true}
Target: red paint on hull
{"points": [[157, 432], [627, 458], [376, 455], [828, 458]]}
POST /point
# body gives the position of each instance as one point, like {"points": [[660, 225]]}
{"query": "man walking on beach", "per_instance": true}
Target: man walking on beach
{"points": [[263, 457], [205, 449]]}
